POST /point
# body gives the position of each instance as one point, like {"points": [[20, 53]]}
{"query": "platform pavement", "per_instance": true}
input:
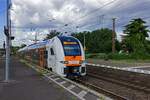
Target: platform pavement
{"points": [[27, 84]]}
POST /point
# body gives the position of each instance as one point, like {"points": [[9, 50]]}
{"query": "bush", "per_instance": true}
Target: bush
{"points": [[97, 55], [93, 55], [102, 56], [117, 56], [142, 56]]}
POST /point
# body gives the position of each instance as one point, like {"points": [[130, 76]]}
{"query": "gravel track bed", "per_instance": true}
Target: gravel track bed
{"points": [[128, 92]]}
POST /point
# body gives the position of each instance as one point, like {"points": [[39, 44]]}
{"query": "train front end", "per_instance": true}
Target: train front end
{"points": [[74, 57]]}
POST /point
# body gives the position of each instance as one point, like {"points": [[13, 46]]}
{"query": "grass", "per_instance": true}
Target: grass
{"points": [[130, 58]]}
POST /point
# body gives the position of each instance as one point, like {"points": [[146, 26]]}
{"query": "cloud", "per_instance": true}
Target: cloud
{"points": [[87, 14]]}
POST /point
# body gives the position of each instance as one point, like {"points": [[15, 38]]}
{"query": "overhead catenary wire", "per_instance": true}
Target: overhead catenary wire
{"points": [[118, 5], [91, 12], [82, 17]]}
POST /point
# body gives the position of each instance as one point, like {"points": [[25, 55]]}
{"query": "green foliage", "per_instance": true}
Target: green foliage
{"points": [[23, 45], [117, 56], [52, 34], [97, 55], [14, 49], [136, 36], [97, 41]]}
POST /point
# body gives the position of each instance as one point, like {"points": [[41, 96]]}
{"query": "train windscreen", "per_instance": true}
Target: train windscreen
{"points": [[72, 50], [71, 46]]}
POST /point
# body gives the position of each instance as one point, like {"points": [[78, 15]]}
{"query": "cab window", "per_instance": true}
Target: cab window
{"points": [[52, 51]]}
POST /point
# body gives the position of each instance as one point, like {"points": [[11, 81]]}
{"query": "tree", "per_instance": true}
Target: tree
{"points": [[14, 49], [136, 33], [98, 41], [52, 34], [23, 45]]}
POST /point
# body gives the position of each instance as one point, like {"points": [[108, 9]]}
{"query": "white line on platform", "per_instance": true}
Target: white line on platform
{"points": [[63, 82], [52, 76], [66, 88], [82, 93], [56, 79], [137, 67], [48, 74], [71, 87]]}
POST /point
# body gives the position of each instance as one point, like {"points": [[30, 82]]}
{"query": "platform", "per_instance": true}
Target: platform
{"points": [[27, 84]]}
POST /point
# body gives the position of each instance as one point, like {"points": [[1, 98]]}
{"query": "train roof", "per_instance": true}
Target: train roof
{"points": [[38, 45], [45, 42], [35, 45], [67, 38]]}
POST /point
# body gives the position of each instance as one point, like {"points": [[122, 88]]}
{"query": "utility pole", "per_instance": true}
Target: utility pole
{"points": [[7, 33], [10, 30], [102, 21], [113, 35], [35, 37], [84, 42]]}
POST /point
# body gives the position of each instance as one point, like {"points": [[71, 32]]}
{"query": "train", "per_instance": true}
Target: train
{"points": [[63, 55]]}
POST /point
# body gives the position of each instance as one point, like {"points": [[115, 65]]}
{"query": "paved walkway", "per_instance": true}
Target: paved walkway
{"points": [[29, 85]]}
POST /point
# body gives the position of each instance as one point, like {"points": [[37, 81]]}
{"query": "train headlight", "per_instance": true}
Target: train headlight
{"points": [[81, 61], [64, 62]]}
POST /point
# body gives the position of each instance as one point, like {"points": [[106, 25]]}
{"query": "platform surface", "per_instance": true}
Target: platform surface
{"points": [[27, 84]]}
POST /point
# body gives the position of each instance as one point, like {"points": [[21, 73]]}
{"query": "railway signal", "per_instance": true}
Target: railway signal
{"points": [[6, 31], [4, 44], [12, 37]]}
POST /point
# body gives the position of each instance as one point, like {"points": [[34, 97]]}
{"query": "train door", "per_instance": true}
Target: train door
{"points": [[41, 52], [52, 59], [45, 58]]}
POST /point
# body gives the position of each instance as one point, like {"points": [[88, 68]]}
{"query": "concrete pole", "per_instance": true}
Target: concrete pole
{"points": [[35, 37], [84, 42], [7, 46], [10, 31]]}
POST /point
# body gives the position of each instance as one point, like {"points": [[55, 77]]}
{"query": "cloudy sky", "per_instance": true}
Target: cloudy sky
{"points": [[40, 16]]}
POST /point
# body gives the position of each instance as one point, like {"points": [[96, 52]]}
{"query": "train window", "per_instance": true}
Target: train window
{"points": [[52, 51], [45, 54], [72, 50]]}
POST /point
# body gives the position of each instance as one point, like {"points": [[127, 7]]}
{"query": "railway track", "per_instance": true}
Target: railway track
{"points": [[122, 83], [101, 90], [129, 85]]}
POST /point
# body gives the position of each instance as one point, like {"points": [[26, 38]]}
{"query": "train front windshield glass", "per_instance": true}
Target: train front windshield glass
{"points": [[72, 50]]}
